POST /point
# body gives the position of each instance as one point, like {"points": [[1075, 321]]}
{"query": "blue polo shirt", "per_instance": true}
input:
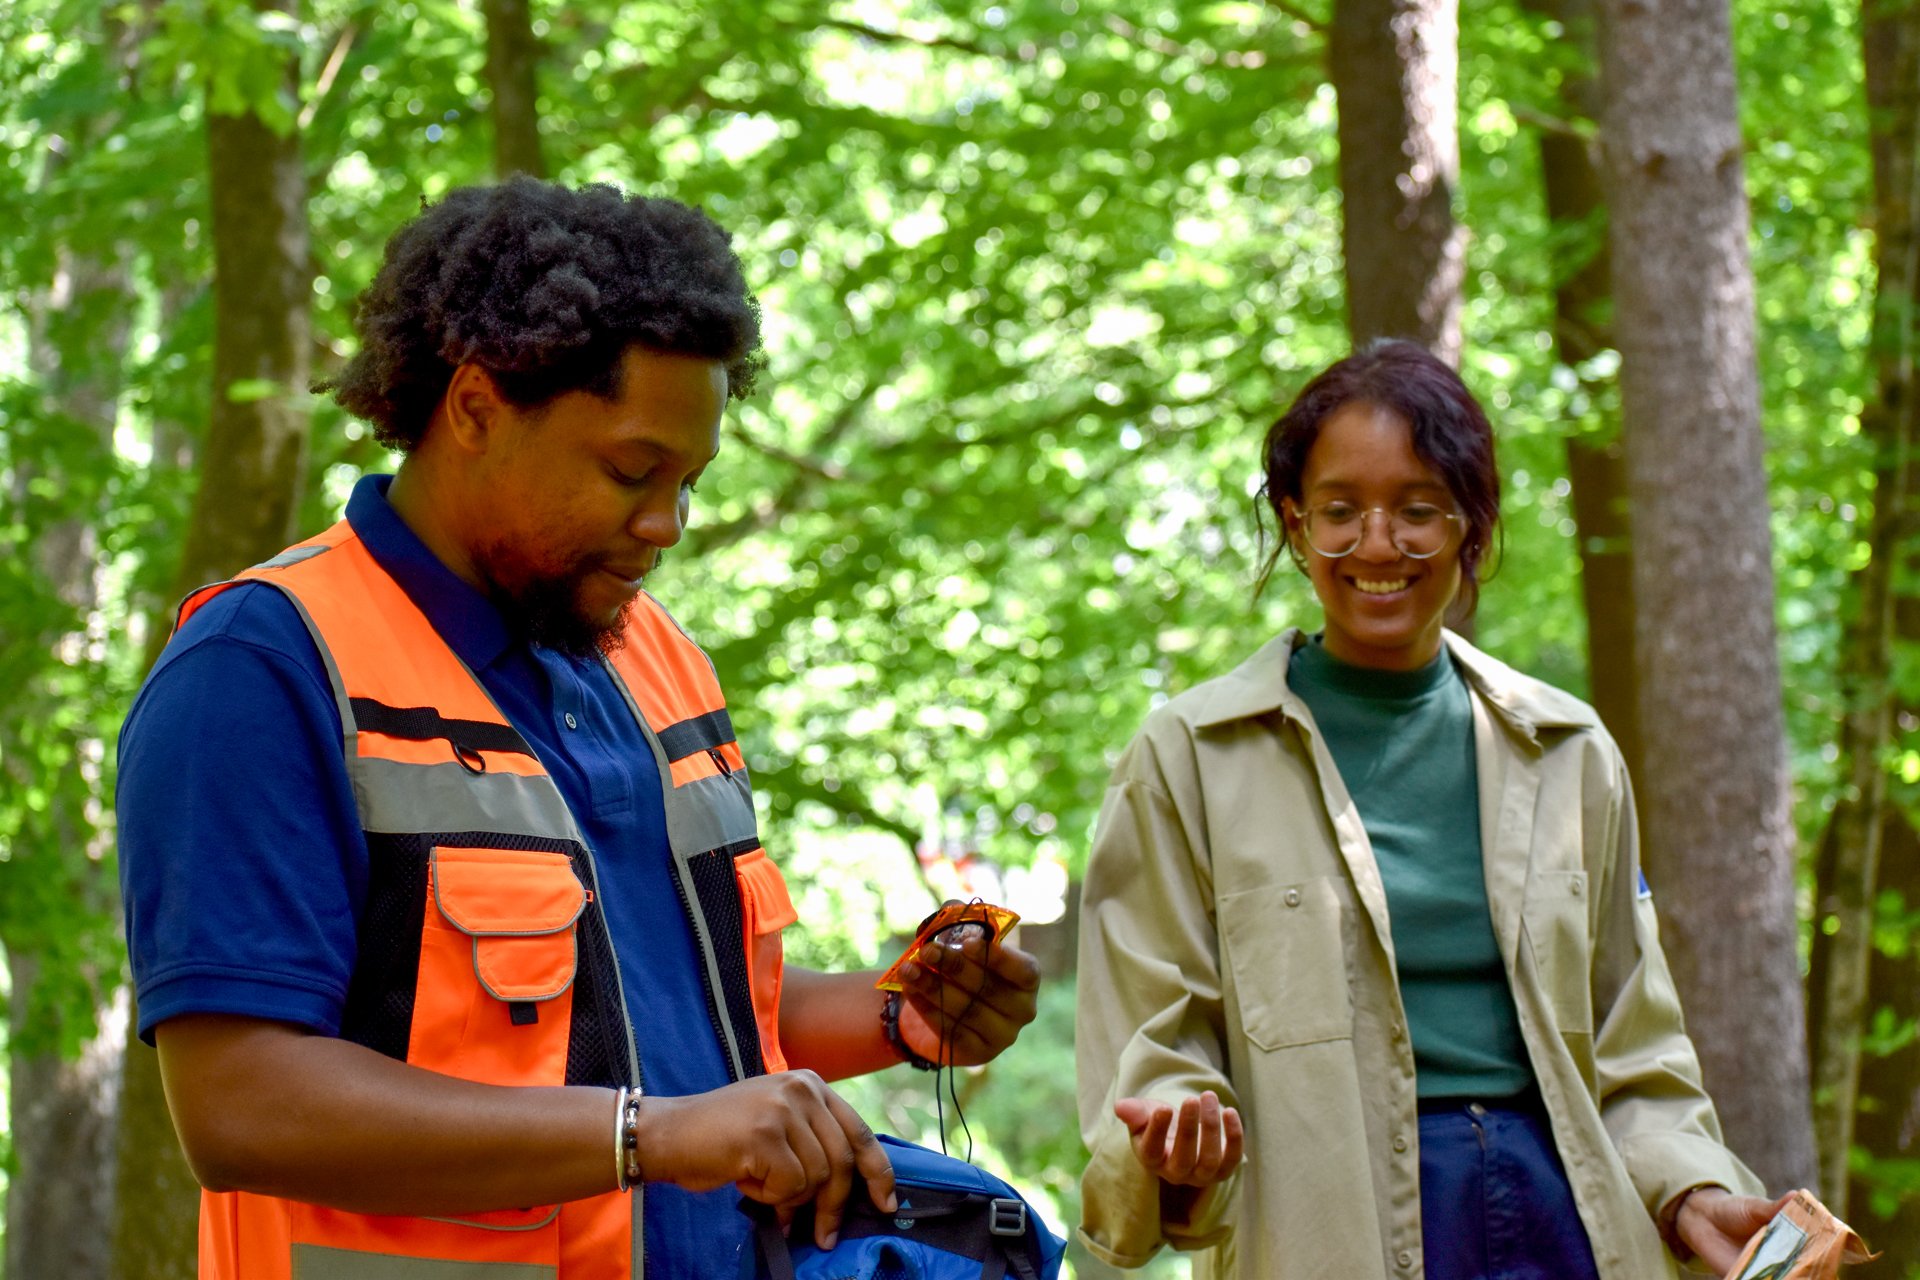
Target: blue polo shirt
{"points": [[244, 868]]}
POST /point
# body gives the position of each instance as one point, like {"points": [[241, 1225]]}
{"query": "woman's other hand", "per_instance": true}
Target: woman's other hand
{"points": [[1194, 1145], [1716, 1224]]}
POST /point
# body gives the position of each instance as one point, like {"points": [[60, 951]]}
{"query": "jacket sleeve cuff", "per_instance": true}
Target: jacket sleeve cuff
{"points": [[1663, 1166], [1124, 1220]]}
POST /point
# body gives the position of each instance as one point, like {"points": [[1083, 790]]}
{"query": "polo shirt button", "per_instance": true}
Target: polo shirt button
{"points": [[1406, 1259], [1400, 1142], [571, 722], [1293, 897]]}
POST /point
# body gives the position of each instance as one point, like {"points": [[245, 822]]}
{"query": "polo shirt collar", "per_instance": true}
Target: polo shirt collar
{"points": [[465, 618]]}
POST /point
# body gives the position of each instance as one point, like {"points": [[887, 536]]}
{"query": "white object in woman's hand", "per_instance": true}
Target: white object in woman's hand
{"points": [[1194, 1145]]}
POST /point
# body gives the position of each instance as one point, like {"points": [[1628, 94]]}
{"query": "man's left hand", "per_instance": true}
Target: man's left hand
{"points": [[966, 997], [1716, 1224]]}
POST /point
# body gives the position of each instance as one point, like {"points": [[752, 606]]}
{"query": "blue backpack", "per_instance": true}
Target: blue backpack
{"points": [[954, 1222]]}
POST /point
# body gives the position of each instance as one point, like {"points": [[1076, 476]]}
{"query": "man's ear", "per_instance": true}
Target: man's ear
{"points": [[473, 408]]}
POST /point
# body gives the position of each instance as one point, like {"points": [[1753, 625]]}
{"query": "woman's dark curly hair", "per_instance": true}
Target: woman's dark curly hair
{"points": [[1451, 434], [545, 288]]}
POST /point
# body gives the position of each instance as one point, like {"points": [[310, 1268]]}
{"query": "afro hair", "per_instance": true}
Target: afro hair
{"points": [[546, 288]]}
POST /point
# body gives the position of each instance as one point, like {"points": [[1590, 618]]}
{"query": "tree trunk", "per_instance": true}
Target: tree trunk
{"points": [[1395, 70], [250, 477], [60, 1197], [1887, 1112], [1716, 790], [513, 56], [64, 1026], [1887, 1126], [1582, 329], [1849, 864]]}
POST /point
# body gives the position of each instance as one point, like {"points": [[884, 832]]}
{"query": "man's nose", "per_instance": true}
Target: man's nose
{"points": [[660, 523]]}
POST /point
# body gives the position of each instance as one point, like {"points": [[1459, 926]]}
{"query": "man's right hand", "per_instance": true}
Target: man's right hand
{"points": [[784, 1139], [1194, 1146]]}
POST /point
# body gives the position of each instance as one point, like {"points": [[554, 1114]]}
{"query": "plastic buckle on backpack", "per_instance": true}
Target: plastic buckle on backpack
{"points": [[1007, 1217]]}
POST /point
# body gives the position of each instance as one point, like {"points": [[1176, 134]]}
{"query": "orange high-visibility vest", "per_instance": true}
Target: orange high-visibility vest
{"points": [[483, 952]]}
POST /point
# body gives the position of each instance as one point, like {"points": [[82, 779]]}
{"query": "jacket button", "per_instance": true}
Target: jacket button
{"points": [[1396, 1031], [1405, 1259], [1578, 888], [1400, 1142], [1293, 897], [571, 722]]}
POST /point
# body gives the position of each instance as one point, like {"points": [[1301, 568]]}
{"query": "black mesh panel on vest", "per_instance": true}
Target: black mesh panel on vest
{"points": [[719, 890], [379, 1009]]}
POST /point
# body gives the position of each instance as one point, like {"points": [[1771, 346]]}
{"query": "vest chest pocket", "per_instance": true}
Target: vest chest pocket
{"points": [[765, 909], [1285, 947], [497, 962]]}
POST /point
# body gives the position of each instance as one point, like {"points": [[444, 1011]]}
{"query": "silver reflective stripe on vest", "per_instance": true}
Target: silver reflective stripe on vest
{"points": [[293, 555], [349, 733], [710, 813], [318, 1262], [399, 799]]}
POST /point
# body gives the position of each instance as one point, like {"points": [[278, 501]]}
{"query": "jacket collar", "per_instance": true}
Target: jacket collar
{"points": [[1258, 687]]}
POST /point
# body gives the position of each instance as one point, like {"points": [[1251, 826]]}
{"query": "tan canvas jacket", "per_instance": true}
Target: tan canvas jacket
{"points": [[1234, 936]]}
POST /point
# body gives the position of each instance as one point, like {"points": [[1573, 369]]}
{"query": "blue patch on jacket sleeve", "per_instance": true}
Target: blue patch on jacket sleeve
{"points": [[1646, 890]]}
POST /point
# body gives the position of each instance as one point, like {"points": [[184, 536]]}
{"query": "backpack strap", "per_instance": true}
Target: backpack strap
{"points": [[770, 1240]]}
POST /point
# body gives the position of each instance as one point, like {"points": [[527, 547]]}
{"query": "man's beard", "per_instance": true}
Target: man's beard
{"points": [[544, 612]]}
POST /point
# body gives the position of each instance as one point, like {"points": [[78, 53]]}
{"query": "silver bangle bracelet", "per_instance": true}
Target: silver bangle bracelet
{"points": [[620, 1139]]}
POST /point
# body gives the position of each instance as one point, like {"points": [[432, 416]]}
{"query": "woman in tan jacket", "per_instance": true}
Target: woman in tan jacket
{"points": [[1370, 984]]}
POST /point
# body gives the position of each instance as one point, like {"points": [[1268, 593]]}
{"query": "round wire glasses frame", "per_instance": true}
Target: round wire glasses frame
{"points": [[1418, 530]]}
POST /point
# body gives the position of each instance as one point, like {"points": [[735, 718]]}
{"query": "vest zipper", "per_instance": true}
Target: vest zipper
{"points": [[702, 934], [735, 1066], [638, 1216]]}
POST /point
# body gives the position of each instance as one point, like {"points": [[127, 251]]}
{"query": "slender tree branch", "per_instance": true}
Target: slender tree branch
{"points": [[881, 35], [1299, 15], [1547, 122], [329, 73], [799, 462], [809, 473]]}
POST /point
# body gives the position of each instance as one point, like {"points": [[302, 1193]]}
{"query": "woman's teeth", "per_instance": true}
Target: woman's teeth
{"points": [[1383, 588]]}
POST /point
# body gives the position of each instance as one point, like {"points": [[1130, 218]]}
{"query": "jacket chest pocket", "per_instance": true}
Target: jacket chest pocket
{"points": [[1286, 952], [1556, 919], [498, 956]]}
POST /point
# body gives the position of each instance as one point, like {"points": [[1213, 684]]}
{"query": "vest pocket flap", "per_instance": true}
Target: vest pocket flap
{"points": [[519, 907], [506, 892], [763, 893]]}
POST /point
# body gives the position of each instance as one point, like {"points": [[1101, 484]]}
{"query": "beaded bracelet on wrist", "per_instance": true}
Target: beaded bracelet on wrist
{"points": [[630, 1138], [890, 1027]]}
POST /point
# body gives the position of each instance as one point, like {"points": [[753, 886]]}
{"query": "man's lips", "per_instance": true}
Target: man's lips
{"points": [[632, 577]]}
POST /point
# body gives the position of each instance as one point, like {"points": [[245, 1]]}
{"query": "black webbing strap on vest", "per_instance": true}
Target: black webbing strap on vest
{"points": [[425, 724]]}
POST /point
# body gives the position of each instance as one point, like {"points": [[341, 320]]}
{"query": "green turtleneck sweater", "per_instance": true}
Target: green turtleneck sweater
{"points": [[1403, 742]]}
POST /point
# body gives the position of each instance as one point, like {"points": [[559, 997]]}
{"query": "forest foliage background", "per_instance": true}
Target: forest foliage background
{"points": [[1036, 276]]}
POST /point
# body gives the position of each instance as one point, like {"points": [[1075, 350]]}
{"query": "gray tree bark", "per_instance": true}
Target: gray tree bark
{"points": [[62, 1102], [63, 1077], [1395, 67], [1716, 786], [513, 58], [251, 473]]}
